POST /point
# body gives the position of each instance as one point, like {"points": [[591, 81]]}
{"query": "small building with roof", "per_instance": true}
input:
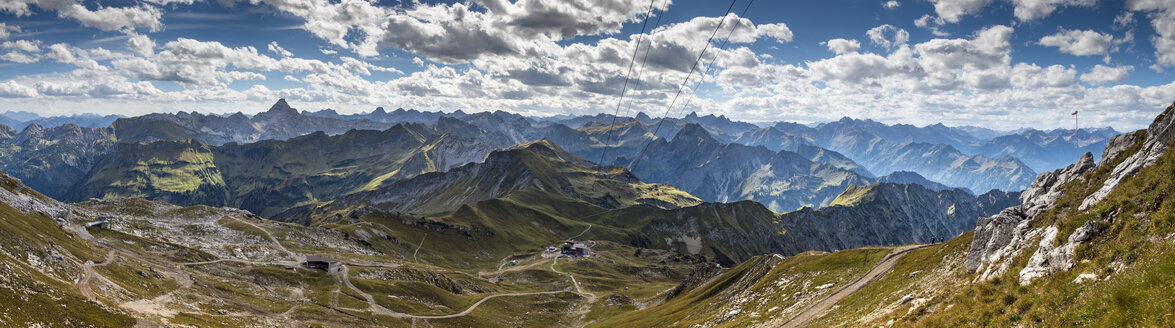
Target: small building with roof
{"points": [[575, 249], [322, 263]]}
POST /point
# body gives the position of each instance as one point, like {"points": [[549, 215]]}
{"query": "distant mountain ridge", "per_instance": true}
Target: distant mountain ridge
{"points": [[19, 120], [271, 176], [280, 122], [846, 144], [940, 163]]}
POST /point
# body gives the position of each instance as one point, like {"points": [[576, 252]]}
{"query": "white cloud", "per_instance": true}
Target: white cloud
{"points": [[418, 61], [18, 57], [1124, 20], [1100, 74], [11, 89], [278, 50], [953, 10], [891, 4], [1031, 76], [328, 51], [931, 23], [888, 36], [1026, 10], [104, 18], [1079, 42], [6, 30], [1162, 16], [33, 46], [141, 45], [842, 46]]}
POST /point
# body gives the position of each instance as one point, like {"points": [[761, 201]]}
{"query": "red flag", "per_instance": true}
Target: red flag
{"points": [[1074, 113]]}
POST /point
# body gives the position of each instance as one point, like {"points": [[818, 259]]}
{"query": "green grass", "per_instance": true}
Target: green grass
{"points": [[1137, 296], [773, 287]]}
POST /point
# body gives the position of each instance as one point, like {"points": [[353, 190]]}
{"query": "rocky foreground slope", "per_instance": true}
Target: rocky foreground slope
{"points": [[1091, 244]]}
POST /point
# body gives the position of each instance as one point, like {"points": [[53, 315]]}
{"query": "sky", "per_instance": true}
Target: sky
{"points": [[1000, 64]]}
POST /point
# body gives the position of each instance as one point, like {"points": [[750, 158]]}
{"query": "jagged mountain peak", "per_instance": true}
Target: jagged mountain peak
{"points": [[693, 132], [281, 107]]}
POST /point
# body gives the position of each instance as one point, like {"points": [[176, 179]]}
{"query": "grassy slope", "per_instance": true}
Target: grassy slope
{"points": [[759, 300], [1134, 257], [43, 294], [1134, 250], [264, 177]]}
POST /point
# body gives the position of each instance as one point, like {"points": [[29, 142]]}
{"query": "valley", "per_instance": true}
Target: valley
{"points": [[439, 224]]}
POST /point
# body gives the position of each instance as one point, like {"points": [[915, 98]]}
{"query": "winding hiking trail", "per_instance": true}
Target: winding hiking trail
{"points": [[375, 308], [591, 297], [817, 309], [88, 268], [417, 251], [298, 258]]}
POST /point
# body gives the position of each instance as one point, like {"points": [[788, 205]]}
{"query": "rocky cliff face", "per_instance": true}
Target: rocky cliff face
{"points": [[888, 214], [1159, 136], [1000, 238], [722, 172], [54, 158]]}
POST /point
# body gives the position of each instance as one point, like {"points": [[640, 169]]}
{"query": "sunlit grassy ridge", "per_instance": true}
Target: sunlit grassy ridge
{"points": [[270, 176], [756, 291]]}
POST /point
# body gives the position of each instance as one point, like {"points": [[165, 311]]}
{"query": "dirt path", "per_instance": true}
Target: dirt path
{"points": [[298, 258], [591, 297], [582, 232], [817, 309], [381, 310], [89, 274], [417, 251]]}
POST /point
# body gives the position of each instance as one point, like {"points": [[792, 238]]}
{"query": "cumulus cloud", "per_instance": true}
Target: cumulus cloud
{"points": [[141, 45], [1101, 74], [1162, 16], [1026, 10], [1079, 42], [931, 23], [18, 57], [891, 4], [1031, 76], [104, 18], [11, 89], [842, 46], [32, 46], [888, 36], [953, 10]]}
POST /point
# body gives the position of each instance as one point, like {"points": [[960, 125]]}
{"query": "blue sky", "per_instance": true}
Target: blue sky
{"points": [[993, 63]]}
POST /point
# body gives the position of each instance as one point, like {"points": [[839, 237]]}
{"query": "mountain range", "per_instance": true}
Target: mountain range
{"points": [[800, 166], [448, 221]]}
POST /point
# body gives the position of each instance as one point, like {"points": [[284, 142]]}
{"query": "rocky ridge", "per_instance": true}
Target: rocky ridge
{"points": [[1000, 238]]}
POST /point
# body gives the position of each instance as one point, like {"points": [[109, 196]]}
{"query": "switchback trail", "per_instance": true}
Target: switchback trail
{"points": [[591, 297], [375, 308], [817, 309], [89, 274]]}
